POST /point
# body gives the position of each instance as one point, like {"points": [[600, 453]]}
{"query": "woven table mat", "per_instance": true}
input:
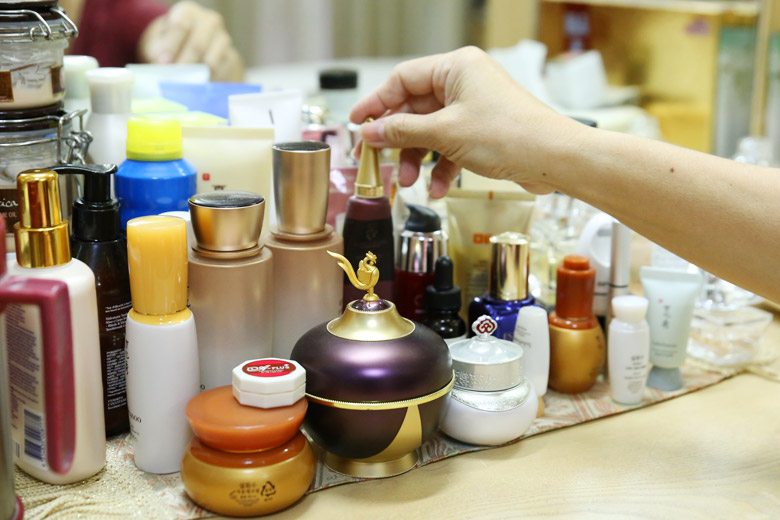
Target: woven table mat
{"points": [[120, 490]]}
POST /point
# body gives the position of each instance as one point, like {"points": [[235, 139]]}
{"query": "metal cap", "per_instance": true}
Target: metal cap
{"points": [[227, 221], [301, 186], [368, 184], [509, 266], [485, 362], [41, 234]]}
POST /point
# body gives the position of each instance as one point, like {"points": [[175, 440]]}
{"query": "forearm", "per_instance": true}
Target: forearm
{"points": [[720, 215]]}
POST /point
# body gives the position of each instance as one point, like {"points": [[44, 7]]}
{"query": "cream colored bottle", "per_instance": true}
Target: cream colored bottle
{"points": [[43, 251], [311, 284], [231, 283]]}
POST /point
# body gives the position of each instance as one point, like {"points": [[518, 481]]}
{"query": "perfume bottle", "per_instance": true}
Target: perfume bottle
{"points": [[508, 284]]}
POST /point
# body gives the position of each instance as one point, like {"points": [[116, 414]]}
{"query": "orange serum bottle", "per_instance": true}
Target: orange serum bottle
{"points": [[577, 346]]}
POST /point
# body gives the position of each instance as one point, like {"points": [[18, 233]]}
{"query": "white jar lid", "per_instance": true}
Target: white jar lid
{"points": [[269, 382]]}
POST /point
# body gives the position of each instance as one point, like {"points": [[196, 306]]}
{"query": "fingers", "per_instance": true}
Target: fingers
{"points": [[175, 29], [408, 79], [409, 163], [442, 176], [205, 27], [404, 131]]}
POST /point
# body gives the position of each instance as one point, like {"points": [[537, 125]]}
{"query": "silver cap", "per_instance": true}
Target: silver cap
{"points": [[301, 186], [485, 362], [417, 252], [509, 266]]}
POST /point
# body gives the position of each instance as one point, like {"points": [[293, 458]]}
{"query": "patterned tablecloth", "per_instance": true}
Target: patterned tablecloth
{"points": [[122, 491]]}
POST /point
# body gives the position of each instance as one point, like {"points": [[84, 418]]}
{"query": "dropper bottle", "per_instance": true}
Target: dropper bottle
{"points": [[98, 242], [442, 300], [368, 226]]}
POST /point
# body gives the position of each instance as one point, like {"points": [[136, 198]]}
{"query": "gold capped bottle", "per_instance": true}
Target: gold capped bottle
{"points": [[162, 346], [310, 281], [376, 382], [43, 252], [231, 279]]}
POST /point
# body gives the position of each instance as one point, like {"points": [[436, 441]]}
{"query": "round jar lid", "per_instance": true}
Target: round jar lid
{"points": [[485, 362], [223, 423], [269, 382], [227, 199], [29, 119]]}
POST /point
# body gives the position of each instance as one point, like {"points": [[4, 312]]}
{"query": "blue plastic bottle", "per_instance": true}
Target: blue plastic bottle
{"points": [[154, 178], [508, 284]]}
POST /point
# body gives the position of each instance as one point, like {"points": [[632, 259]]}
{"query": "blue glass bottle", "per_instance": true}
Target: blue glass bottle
{"points": [[508, 286]]}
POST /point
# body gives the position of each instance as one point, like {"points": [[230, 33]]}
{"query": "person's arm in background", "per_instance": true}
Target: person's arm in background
{"points": [[118, 32], [189, 33], [721, 215]]}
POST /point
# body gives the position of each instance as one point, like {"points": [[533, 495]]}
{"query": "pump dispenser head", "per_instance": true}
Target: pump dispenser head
{"points": [[157, 258], [41, 234], [95, 213], [368, 184], [421, 242], [509, 266]]}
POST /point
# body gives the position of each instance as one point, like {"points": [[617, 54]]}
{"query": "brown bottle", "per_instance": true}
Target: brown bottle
{"points": [[577, 347]]}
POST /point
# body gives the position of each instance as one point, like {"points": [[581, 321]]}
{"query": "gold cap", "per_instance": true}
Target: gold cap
{"points": [[41, 235], [368, 184], [509, 266], [157, 257]]}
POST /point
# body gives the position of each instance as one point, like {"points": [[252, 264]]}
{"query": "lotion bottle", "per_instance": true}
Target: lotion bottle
{"points": [[110, 90], [629, 349], [98, 242], [162, 346], [533, 334], [43, 252]]}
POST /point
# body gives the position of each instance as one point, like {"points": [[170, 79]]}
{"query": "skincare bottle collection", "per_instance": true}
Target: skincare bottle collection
{"points": [[227, 344]]}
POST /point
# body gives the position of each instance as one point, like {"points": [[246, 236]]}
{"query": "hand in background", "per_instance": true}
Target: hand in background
{"points": [[189, 33], [465, 106]]}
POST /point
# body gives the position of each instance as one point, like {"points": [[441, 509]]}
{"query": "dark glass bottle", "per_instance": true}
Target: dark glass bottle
{"points": [[443, 303], [98, 242]]}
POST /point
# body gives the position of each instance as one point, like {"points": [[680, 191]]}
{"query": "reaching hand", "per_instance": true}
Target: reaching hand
{"points": [[465, 106], [189, 33]]}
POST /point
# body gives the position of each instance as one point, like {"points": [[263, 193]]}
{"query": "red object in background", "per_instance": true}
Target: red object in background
{"points": [[411, 300], [110, 30], [342, 187]]}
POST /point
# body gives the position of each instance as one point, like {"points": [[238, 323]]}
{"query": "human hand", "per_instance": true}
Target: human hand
{"points": [[465, 106], [189, 33]]}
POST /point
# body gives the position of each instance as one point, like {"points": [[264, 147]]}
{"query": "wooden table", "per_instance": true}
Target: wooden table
{"points": [[714, 453]]}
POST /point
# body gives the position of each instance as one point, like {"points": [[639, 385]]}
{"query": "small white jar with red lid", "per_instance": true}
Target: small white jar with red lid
{"points": [[269, 382]]}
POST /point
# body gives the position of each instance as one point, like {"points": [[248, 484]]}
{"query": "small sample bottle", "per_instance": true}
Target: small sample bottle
{"points": [[247, 443], [491, 402], [310, 283], [154, 178], [629, 349], [77, 95], [231, 279], [577, 348], [508, 282], [43, 252], [533, 334], [443, 303], [162, 347], [419, 245], [368, 226], [110, 93], [98, 242], [339, 88]]}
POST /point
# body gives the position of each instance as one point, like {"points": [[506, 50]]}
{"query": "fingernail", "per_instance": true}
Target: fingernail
{"points": [[373, 133]]}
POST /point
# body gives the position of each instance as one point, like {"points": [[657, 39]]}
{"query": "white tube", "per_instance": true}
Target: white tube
{"points": [[671, 295], [532, 332], [162, 376]]}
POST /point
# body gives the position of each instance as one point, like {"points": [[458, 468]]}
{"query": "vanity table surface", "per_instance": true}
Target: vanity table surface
{"points": [[714, 453]]}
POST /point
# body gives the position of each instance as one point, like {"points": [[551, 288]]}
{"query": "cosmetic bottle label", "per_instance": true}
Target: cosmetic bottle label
{"points": [[269, 368], [25, 369], [113, 316]]}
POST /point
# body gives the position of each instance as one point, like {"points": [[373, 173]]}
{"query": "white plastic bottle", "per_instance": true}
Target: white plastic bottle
{"points": [[110, 91], [629, 349], [43, 252], [162, 346], [532, 332]]}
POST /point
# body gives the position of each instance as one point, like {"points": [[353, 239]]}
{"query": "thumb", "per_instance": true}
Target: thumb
{"points": [[403, 131]]}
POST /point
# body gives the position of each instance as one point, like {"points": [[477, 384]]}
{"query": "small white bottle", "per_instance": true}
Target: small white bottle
{"points": [[110, 91], [162, 347], [532, 332], [43, 252], [629, 349]]}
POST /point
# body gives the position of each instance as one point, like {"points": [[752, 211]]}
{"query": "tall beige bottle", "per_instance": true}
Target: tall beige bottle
{"points": [[231, 283], [311, 283]]}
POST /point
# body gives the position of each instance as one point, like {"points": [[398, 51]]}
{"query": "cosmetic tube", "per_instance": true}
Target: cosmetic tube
{"points": [[671, 295], [162, 347]]}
